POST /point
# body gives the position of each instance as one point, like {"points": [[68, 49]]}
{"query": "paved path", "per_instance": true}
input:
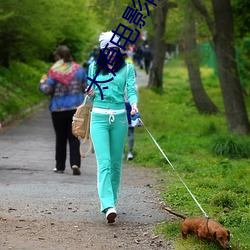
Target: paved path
{"points": [[30, 190], [141, 78]]}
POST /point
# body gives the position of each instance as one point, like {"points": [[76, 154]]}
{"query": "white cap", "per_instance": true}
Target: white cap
{"points": [[105, 38]]}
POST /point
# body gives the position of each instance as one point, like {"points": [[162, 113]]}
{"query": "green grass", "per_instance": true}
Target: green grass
{"points": [[214, 164], [19, 88]]}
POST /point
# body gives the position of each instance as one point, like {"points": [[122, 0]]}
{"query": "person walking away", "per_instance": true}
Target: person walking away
{"points": [[139, 52], [93, 55], [65, 84], [109, 123], [147, 58]]}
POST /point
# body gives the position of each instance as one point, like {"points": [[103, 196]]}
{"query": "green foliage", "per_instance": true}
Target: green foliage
{"points": [[176, 18], [109, 15], [210, 129], [241, 17], [41, 30], [174, 25], [231, 146], [19, 87], [219, 183], [224, 200], [111, 9], [243, 59]]}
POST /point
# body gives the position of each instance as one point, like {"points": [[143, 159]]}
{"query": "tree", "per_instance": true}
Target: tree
{"points": [[223, 38], [159, 44], [201, 99], [161, 35], [242, 33], [25, 31], [109, 12], [28, 33]]}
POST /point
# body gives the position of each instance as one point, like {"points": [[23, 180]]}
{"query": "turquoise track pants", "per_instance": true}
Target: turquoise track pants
{"points": [[108, 136]]}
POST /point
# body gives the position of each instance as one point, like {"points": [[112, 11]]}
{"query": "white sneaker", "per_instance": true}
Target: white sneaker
{"points": [[58, 171], [111, 214], [130, 156]]}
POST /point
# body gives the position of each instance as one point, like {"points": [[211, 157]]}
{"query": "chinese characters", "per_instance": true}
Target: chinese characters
{"points": [[110, 54]]}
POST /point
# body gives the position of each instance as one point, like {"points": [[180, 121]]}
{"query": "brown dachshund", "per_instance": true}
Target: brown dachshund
{"points": [[204, 229]]}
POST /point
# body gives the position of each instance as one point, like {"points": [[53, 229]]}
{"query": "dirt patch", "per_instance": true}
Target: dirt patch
{"points": [[51, 234]]}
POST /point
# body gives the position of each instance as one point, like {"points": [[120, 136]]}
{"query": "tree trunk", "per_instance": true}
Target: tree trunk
{"points": [[235, 109], [159, 46], [201, 99]]}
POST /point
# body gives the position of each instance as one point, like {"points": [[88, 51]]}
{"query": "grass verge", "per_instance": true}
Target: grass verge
{"points": [[19, 89], [214, 164]]}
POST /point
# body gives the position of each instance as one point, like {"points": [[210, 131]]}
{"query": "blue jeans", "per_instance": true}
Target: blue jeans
{"points": [[108, 139]]}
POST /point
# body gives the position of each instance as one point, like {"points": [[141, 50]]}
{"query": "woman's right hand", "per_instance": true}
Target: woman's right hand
{"points": [[43, 79]]}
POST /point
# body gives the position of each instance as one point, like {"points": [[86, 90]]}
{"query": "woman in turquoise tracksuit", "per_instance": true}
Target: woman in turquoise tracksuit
{"points": [[109, 123]]}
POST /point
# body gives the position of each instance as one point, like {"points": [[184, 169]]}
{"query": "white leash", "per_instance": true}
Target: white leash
{"points": [[174, 169]]}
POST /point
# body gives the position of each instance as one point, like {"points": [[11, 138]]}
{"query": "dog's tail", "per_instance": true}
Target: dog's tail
{"points": [[175, 213]]}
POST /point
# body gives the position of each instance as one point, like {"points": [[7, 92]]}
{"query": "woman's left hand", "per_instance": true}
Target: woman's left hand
{"points": [[134, 109], [91, 92]]}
